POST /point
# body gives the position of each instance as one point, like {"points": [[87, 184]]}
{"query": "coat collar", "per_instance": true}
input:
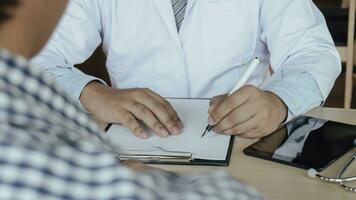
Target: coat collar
{"points": [[166, 12]]}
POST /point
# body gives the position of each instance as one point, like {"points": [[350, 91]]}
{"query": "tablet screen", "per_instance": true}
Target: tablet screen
{"points": [[306, 142]]}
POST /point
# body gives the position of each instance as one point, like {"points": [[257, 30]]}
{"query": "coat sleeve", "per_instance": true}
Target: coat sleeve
{"points": [[74, 41], [303, 55]]}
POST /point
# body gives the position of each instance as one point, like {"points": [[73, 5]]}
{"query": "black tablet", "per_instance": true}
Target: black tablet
{"points": [[306, 143]]}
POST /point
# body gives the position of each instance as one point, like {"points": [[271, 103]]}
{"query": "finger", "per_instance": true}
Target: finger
{"points": [[240, 115], [146, 116], [180, 123], [160, 112], [129, 121], [173, 113], [229, 104], [243, 128], [253, 134], [167, 105], [216, 101]]}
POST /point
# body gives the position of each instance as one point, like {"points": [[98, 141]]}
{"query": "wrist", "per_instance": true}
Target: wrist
{"points": [[279, 106], [90, 94]]}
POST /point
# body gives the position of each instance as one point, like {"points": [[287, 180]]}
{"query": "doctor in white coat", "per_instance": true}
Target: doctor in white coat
{"points": [[195, 48]]}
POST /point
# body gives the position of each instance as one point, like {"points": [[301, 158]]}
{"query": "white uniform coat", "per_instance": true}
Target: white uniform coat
{"points": [[216, 40]]}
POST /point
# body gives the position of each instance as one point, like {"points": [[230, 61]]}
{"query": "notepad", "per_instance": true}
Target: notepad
{"points": [[193, 112]]}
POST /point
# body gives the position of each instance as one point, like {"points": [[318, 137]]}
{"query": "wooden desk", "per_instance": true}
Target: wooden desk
{"points": [[281, 182]]}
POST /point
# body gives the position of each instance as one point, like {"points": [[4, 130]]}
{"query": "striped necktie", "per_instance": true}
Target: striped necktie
{"points": [[179, 7]]}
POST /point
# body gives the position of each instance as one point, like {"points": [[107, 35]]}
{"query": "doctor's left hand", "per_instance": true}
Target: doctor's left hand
{"points": [[249, 112]]}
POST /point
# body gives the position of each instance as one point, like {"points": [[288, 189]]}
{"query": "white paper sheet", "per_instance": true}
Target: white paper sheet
{"points": [[193, 113]]}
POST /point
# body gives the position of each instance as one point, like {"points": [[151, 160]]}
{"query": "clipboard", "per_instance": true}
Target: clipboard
{"points": [[158, 155], [186, 149]]}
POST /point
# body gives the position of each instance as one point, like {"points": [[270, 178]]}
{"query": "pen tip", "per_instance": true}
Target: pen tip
{"points": [[204, 133]]}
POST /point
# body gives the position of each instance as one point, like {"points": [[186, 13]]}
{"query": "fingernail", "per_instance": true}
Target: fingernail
{"points": [[164, 132], [210, 109], [181, 125], [211, 120], [175, 130], [144, 135]]}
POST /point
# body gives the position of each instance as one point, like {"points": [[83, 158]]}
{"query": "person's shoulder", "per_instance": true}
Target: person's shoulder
{"points": [[92, 2]]}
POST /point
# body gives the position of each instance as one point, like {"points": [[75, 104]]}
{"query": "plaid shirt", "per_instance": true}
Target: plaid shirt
{"points": [[50, 149]]}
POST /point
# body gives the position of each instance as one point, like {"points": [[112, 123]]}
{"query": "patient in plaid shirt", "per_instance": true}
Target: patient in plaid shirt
{"points": [[51, 149]]}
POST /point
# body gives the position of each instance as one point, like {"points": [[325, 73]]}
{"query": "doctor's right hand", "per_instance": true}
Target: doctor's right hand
{"points": [[129, 106]]}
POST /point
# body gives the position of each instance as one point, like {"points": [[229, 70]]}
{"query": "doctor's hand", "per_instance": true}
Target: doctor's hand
{"points": [[249, 112], [129, 107]]}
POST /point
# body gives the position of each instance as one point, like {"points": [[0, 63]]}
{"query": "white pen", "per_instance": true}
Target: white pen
{"points": [[242, 81]]}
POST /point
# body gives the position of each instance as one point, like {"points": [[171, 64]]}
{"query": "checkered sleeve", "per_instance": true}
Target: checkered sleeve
{"points": [[35, 95], [85, 173], [50, 149]]}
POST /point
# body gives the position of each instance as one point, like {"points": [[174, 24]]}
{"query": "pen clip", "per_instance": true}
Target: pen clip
{"points": [[157, 155]]}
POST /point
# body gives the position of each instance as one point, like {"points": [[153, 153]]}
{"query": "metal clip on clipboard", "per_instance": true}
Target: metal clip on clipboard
{"points": [[157, 155]]}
